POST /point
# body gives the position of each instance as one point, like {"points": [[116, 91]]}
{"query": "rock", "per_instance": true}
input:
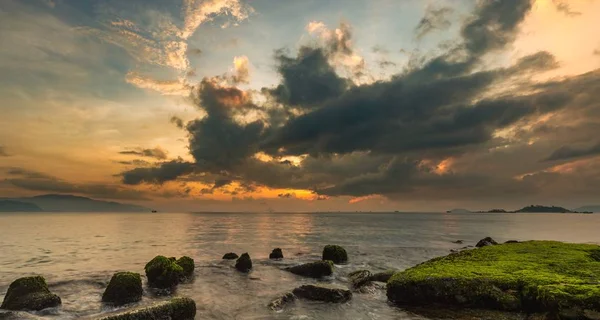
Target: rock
{"points": [[319, 293], [29, 293], [382, 276], [177, 309], [545, 277], [458, 241], [359, 278], [487, 241], [335, 253], [276, 254], [230, 256], [163, 272], [279, 303], [123, 288], [187, 264], [512, 241], [244, 263], [316, 269], [372, 288]]}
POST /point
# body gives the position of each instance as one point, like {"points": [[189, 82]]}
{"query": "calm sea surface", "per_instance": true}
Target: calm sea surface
{"points": [[78, 253]]}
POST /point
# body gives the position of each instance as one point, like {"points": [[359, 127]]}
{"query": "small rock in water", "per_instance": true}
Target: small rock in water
{"points": [[163, 272], [360, 278], [187, 264], [230, 256], [29, 293], [335, 253], [279, 303], [276, 254], [319, 293], [383, 276], [244, 263], [179, 308], [316, 269], [487, 241], [458, 241], [123, 288]]}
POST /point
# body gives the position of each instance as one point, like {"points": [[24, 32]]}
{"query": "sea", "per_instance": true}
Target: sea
{"points": [[78, 252]]}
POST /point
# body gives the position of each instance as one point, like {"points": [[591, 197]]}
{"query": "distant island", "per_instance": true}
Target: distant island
{"points": [[543, 209], [65, 203]]}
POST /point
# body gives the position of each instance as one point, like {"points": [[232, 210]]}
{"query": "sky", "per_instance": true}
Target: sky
{"points": [[314, 105]]}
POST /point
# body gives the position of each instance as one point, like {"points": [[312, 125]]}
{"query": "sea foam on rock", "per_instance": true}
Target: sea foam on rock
{"points": [[29, 293], [179, 308], [123, 288], [315, 269], [335, 253]]}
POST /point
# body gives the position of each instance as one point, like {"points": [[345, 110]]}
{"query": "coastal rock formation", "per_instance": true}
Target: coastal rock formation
{"points": [[316, 269], [359, 278], [177, 308], [230, 256], [279, 303], [382, 276], [29, 293], [163, 272], [187, 264], [487, 241], [123, 288], [325, 294], [335, 253], [560, 279], [276, 254], [244, 263]]}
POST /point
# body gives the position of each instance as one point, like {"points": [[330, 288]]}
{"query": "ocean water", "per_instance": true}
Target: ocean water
{"points": [[78, 253]]}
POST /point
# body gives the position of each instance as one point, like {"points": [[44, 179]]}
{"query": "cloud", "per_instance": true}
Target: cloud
{"points": [[167, 87], [564, 7], [177, 121], [135, 162], [241, 70], [157, 153], [3, 152], [568, 152], [165, 171], [434, 19]]}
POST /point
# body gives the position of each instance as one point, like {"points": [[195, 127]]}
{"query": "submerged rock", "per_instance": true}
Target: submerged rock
{"points": [[29, 293], [176, 309], [382, 276], [335, 253], [325, 294], [244, 263], [487, 241], [230, 256], [163, 272], [123, 288], [316, 269], [187, 264], [458, 242], [560, 279], [359, 278], [276, 254], [279, 303]]}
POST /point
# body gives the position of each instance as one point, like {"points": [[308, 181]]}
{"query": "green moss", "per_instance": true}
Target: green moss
{"points": [[177, 308], [123, 288], [529, 276], [163, 272], [187, 264], [29, 293], [335, 253]]}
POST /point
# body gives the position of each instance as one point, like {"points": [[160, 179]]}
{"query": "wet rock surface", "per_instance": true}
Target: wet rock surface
{"points": [[29, 293]]}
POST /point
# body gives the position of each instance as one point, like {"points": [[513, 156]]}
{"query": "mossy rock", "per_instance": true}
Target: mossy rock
{"points": [[324, 294], [316, 269], [335, 253], [163, 272], [277, 253], [561, 279], [244, 263], [487, 241], [382, 276], [359, 278], [179, 308], [29, 293], [230, 256], [187, 264], [123, 288]]}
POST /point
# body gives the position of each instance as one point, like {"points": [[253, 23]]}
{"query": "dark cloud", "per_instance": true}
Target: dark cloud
{"points": [[3, 152], [157, 153], [434, 19], [569, 152], [177, 121], [164, 172], [564, 7], [135, 162]]}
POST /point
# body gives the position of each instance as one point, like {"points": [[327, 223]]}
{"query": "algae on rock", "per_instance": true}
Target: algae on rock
{"points": [[29, 293], [123, 288], [187, 264], [179, 308], [335, 253], [163, 272]]}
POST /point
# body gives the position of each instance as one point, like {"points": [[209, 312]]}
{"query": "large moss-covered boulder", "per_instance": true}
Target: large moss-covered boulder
{"points": [[230, 256], [316, 269], [359, 278], [535, 276], [29, 293], [244, 263], [335, 253], [123, 288], [277, 253], [163, 272], [187, 264], [320, 293], [176, 309]]}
